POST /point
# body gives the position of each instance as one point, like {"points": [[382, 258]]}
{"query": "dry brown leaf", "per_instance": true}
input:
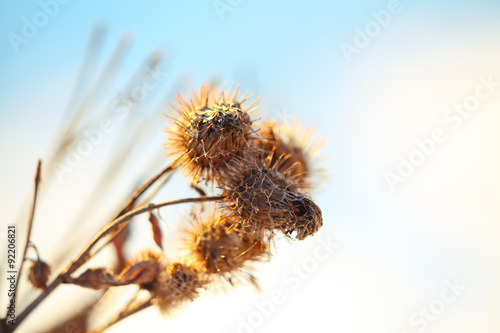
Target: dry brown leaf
{"points": [[99, 278], [156, 229]]}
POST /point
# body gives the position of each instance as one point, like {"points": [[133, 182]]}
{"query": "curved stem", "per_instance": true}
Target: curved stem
{"points": [[113, 226], [85, 254], [30, 224], [130, 201], [128, 311]]}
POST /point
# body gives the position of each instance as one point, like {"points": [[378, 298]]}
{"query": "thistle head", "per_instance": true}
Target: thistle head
{"points": [[263, 199], [220, 247], [294, 143], [177, 283], [308, 219], [210, 130]]}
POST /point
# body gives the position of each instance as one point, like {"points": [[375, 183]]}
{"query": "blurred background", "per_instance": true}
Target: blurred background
{"points": [[406, 92]]}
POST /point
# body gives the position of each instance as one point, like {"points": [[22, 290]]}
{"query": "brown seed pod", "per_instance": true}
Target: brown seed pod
{"points": [[210, 129], [297, 145], [264, 199], [38, 274], [308, 219], [219, 246], [176, 284]]}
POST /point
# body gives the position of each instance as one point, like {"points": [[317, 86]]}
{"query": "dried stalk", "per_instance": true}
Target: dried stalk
{"points": [[30, 224], [133, 198], [85, 254], [3, 322], [128, 311]]}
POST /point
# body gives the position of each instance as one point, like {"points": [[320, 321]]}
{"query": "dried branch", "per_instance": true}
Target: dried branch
{"points": [[30, 224], [101, 278], [110, 229], [129, 310], [131, 200]]}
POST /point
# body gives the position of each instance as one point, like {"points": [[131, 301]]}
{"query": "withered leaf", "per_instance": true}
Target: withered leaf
{"points": [[156, 229], [142, 272], [95, 278], [99, 278]]}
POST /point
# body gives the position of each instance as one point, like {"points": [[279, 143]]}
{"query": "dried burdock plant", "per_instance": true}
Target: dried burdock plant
{"points": [[221, 247], [299, 148], [263, 199], [210, 129], [257, 179], [175, 285]]}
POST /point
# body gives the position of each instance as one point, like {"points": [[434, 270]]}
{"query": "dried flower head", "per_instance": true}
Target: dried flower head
{"points": [[38, 274], [294, 143], [264, 199], [176, 284], [220, 247], [211, 128], [308, 219]]}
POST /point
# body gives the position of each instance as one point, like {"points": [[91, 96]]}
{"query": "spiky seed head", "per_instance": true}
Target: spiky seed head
{"points": [[38, 274], [177, 284], [308, 219], [294, 142], [264, 199], [220, 247], [210, 129]]}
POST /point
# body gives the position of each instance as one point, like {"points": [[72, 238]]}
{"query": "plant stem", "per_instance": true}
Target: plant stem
{"points": [[30, 224], [125, 313], [50, 288], [131, 200], [85, 254], [123, 220]]}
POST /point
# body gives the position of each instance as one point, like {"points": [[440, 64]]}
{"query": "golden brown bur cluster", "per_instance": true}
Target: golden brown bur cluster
{"points": [[258, 177], [262, 171]]}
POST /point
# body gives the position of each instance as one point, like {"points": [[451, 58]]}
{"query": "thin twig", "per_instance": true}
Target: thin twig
{"points": [[114, 226], [30, 224], [125, 313], [85, 254], [131, 200], [136, 195]]}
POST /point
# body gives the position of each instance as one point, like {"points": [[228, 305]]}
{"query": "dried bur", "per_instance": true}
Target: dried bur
{"points": [[211, 128], [264, 199], [297, 145], [221, 248], [174, 284], [177, 284]]}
